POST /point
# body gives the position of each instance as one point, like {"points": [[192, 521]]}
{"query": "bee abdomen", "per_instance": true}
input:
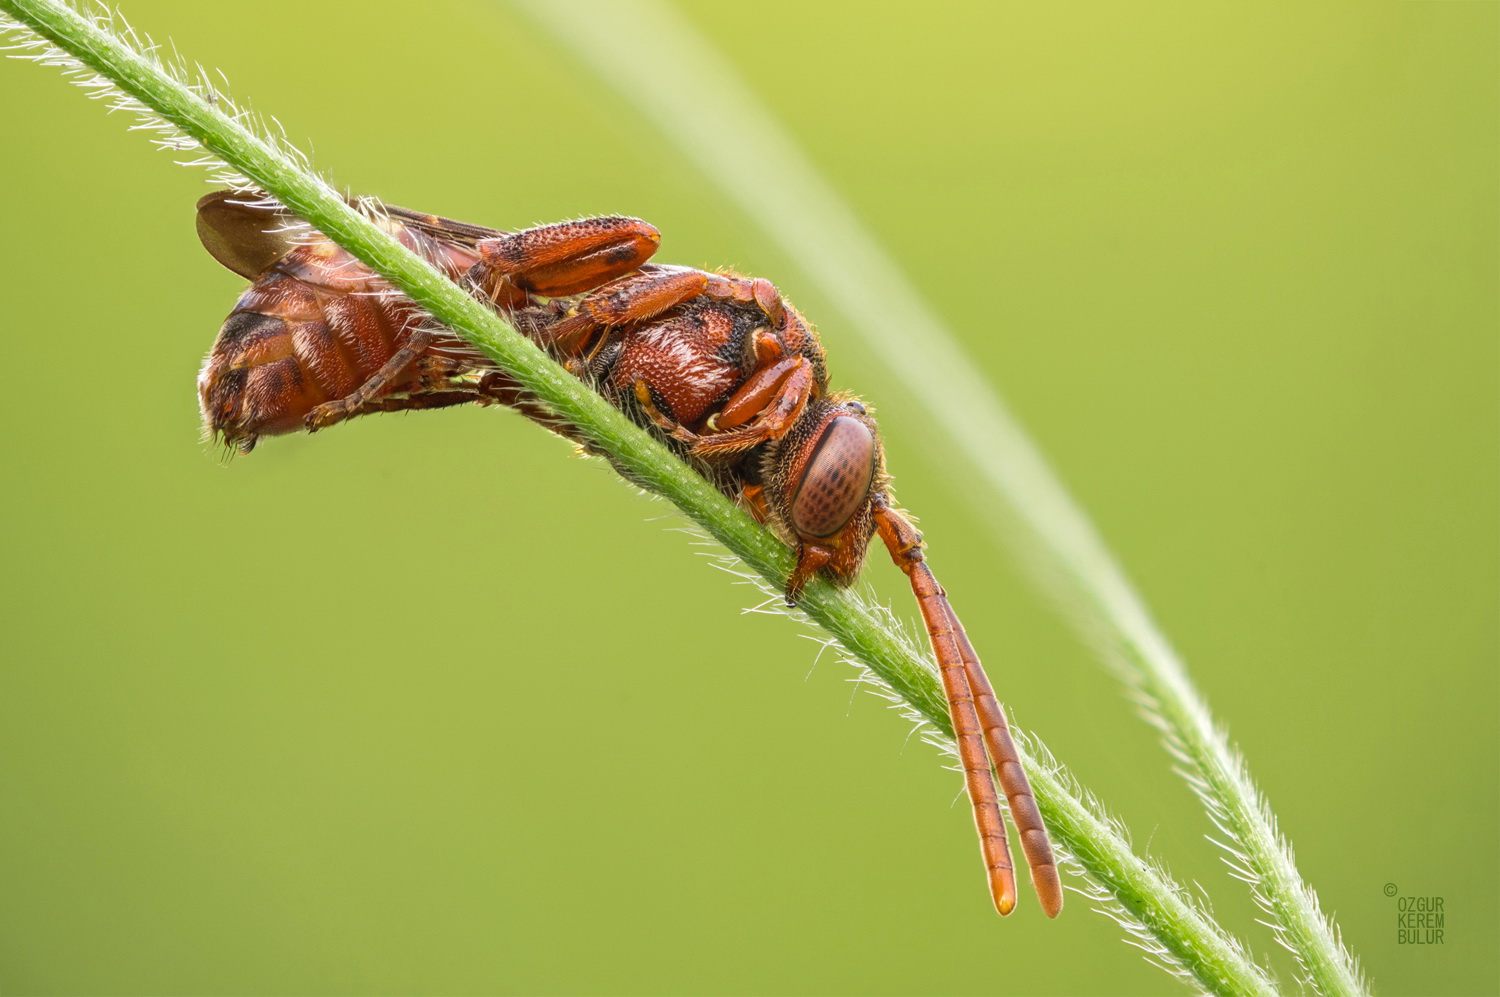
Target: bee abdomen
{"points": [[291, 345]]}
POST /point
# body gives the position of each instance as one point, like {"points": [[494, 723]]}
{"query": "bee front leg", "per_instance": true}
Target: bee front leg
{"points": [[810, 557]]}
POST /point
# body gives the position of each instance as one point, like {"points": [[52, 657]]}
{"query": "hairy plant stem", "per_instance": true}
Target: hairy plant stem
{"points": [[1180, 932], [755, 164]]}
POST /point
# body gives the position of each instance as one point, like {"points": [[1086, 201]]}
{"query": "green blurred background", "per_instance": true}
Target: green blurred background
{"points": [[428, 705]]}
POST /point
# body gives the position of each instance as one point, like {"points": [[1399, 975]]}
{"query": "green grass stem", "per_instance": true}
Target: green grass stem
{"points": [[107, 58], [682, 89]]}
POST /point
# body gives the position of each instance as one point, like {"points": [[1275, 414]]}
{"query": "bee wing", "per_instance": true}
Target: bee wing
{"points": [[247, 232], [444, 230]]}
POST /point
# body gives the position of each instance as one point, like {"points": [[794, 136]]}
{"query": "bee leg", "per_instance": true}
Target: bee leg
{"points": [[502, 388], [498, 388], [764, 408], [662, 421], [632, 299], [810, 557], [423, 400], [753, 399], [746, 290], [379, 384], [562, 259], [752, 499]]}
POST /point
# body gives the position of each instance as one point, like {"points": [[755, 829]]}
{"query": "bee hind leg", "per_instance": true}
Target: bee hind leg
{"points": [[561, 259], [423, 400], [376, 388]]}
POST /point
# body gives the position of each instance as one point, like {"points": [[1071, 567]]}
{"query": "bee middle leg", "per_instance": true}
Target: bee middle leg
{"points": [[764, 408], [660, 419]]}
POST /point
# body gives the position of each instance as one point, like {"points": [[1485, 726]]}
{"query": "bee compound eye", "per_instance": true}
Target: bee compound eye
{"points": [[836, 481]]}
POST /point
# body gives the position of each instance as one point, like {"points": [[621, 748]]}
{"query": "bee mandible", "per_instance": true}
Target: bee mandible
{"points": [[718, 366]]}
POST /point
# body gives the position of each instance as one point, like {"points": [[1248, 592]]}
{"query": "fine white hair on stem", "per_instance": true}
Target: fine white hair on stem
{"points": [[757, 165], [1041, 766], [1215, 960], [1101, 898], [164, 134]]}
